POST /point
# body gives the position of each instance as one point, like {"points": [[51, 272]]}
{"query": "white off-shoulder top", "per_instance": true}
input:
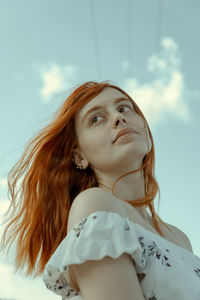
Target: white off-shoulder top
{"points": [[169, 271]]}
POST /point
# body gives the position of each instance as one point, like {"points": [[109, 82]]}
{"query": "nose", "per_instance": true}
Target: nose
{"points": [[119, 119]]}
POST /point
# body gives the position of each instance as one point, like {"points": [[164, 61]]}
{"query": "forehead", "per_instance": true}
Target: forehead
{"points": [[107, 95]]}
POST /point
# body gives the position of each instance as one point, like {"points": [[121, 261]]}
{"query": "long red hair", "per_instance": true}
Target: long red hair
{"points": [[38, 218]]}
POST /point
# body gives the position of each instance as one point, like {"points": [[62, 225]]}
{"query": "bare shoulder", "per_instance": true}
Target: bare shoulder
{"points": [[104, 278], [183, 238], [89, 201]]}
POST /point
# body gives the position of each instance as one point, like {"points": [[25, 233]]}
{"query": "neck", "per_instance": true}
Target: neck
{"points": [[130, 190]]}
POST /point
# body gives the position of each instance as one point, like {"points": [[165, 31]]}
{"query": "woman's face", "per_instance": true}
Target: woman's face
{"points": [[96, 131]]}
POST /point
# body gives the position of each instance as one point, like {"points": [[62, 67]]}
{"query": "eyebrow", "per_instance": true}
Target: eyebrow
{"points": [[101, 106]]}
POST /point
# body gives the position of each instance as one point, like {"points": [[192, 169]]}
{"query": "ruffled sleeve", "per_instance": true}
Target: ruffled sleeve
{"points": [[100, 234]]}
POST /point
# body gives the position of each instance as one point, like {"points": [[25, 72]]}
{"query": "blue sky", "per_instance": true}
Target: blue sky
{"points": [[149, 48]]}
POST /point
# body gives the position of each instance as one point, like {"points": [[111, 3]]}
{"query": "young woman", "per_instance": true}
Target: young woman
{"points": [[86, 220]]}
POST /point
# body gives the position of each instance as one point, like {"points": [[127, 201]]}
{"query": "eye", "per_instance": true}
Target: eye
{"points": [[95, 116], [91, 120], [125, 106]]}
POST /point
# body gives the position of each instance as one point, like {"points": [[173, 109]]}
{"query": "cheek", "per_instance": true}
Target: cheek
{"points": [[95, 140], [148, 139], [88, 141], [141, 122]]}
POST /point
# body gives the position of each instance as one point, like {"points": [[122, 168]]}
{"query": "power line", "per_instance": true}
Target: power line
{"points": [[159, 25], [130, 36], [95, 38]]}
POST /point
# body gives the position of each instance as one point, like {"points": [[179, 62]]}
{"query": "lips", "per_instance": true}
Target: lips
{"points": [[122, 132]]}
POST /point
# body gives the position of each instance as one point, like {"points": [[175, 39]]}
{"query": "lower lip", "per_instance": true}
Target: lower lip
{"points": [[125, 135]]}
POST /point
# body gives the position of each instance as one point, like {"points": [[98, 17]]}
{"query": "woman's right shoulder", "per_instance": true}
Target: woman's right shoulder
{"points": [[89, 201], [92, 276], [92, 197]]}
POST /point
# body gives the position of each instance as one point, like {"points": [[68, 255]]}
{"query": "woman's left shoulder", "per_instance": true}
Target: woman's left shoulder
{"points": [[186, 244]]}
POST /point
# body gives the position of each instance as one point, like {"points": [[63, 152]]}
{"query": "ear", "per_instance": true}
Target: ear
{"points": [[79, 159]]}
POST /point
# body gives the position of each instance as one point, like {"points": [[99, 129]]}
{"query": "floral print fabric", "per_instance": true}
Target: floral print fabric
{"points": [[165, 271]]}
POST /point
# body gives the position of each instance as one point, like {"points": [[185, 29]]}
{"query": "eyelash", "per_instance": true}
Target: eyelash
{"points": [[126, 105]]}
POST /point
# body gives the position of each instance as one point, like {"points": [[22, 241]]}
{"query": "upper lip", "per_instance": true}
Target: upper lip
{"points": [[122, 132]]}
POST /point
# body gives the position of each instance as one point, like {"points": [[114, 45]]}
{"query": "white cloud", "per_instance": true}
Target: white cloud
{"points": [[166, 94], [7, 289], [18, 287], [4, 203], [3, 182], [125, 65], [55, 78]]}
